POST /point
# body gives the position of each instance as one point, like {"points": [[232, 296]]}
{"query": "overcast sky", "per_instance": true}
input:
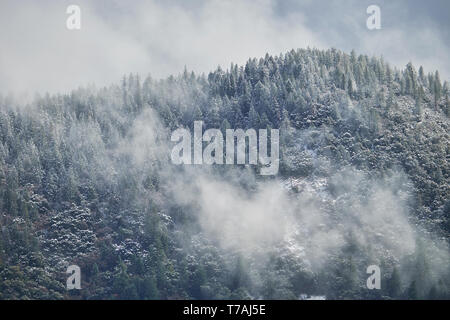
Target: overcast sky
{"points": [[160, 37]]}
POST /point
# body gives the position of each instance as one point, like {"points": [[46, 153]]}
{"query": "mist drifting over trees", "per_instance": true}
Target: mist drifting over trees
{"points": [[86, 179]]}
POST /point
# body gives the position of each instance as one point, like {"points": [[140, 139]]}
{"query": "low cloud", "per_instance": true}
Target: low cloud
{"points": [[326, 214], [159, 37]]}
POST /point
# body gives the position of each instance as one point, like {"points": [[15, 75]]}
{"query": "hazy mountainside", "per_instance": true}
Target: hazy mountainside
{"points": [[86, 179]]}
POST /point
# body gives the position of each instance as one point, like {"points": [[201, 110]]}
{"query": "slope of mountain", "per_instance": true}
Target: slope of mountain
{"points": [[86, 179]]}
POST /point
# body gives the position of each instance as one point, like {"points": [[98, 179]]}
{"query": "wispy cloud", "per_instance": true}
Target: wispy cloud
{"points": [[161, 37]]}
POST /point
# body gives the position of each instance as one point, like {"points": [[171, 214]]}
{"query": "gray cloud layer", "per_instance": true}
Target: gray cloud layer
{"points": [[161, 37]]}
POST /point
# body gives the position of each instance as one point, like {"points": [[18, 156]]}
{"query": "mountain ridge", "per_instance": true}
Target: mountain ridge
{"points": [[86, 179]]}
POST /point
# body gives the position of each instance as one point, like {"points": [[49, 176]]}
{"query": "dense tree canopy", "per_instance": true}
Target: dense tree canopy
{"points": [[85, 179]]}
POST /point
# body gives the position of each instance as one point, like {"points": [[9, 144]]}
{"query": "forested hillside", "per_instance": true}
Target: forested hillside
{"points": [[86, 179]]}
